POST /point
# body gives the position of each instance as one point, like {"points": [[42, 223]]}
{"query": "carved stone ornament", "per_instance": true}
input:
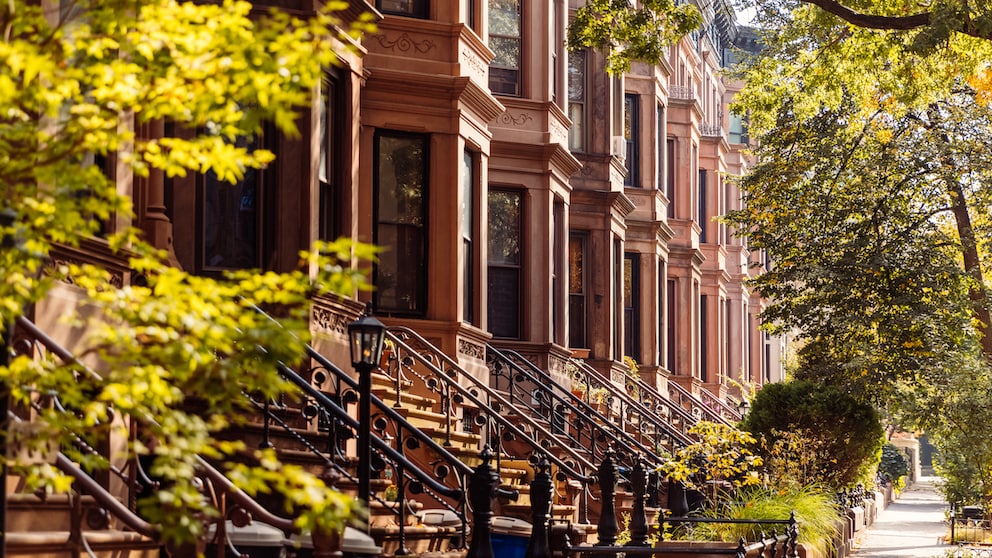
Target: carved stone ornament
{"points": [[470, 349], [404, 43], [328, 320]]}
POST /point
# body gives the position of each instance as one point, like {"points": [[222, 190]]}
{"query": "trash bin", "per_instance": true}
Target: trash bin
{"points": [[256, 539], [510, 537], [354, 543], [444, 520]]}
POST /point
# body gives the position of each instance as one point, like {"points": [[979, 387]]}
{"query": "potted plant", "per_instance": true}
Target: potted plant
{"points": [[599, 399]]}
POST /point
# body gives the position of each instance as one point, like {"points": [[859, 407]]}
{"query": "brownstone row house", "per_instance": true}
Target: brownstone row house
{"points": [[523, 195], [526, 198]]}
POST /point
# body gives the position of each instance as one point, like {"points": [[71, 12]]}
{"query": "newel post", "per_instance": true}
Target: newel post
{"points": [[540, 505], [482, 488], [607, 526], [638, 516]]}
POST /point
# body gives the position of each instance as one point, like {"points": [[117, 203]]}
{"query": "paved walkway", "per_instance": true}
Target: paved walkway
{"points": [[912, 526]]}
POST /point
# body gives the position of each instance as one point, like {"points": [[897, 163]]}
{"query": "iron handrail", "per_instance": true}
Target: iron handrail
{"points": [[493, 396], [328, 404], [671, 406], [209, 471], [535, 374], [627, 399], [727, 411], [696, 402]]}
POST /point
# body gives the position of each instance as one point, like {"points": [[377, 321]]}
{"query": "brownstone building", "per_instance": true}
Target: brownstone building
{"points": [[526, 199]]}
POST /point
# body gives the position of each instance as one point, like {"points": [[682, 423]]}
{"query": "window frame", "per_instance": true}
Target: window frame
{"points": [[517, 269], [577, 139], [419, 9], [418, 267], [631, 136], [577, 300], [518, 78], [262, 206]]}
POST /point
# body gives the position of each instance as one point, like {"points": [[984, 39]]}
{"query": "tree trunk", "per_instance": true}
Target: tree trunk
{"points": [[972, 264]]}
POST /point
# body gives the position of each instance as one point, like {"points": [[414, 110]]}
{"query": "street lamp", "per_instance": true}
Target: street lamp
{"points": [[366, 336], [8, 240], [743, 406]]}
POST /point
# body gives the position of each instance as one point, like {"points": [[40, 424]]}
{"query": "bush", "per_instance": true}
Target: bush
{"points": [[846, 435], [893, 465]]}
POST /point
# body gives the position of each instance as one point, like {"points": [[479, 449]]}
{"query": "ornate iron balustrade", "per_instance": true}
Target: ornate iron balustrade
{"points": [[696, 406], [665, 435], [530, 388], [432, 371]]}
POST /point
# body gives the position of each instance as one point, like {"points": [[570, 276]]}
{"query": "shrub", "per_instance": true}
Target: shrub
{"points": [[847, 435], [893, 465]]}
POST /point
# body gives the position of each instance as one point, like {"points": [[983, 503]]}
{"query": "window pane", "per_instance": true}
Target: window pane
{"points": [[504, 263], [504, 17], [504, 228], [576, 291], [401, 178], [399, 272], [504, 297], [409, 8], [577, 76], [507, 52], [230, 219], [401, 174]]}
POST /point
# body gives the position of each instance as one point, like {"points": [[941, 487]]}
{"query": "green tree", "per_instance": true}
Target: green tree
{"points": [[78, 79], [868, 221], [849, 433], [626, 33]]}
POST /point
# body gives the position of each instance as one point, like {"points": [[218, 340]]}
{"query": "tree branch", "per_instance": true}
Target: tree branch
{"points": [[872, 21]]}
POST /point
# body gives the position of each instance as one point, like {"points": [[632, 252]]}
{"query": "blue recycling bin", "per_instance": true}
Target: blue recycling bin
{"points": [[510, 537]]}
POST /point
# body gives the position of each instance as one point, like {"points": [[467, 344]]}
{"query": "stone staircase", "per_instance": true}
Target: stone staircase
{"points": [[424, 453]]}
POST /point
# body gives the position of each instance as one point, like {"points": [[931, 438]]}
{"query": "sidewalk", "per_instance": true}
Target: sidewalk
{"points": [[912, 526]]}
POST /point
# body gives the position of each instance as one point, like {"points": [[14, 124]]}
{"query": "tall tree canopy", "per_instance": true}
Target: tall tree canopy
{"points": [[857, 214]]}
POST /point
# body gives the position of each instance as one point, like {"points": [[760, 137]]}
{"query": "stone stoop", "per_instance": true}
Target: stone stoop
{"points": [[41, 527]]}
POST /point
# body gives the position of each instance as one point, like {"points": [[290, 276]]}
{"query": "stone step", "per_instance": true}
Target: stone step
{"points": [[107, 543]]}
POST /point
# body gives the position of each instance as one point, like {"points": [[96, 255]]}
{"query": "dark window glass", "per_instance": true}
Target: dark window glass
{"points": [[409, 8], [505, 41], [576, 290], [703, 345], [631, 306], [231, 218], [703, 214], [505, 212], [671, 321], [330, 148], [631, 132], [401, 179], [577, 100], [670, 173], [468, 228]]}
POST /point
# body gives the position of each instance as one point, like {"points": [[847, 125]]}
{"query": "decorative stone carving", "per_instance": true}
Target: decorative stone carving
{"points": [[508, 119], [474, 350], [475, 65], [326, 319], [404, 43], [61, 260], [559, 134]]}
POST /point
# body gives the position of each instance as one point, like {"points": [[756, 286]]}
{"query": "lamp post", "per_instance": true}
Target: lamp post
{"points": [[742, 407], [7, 241], [366, 336]]}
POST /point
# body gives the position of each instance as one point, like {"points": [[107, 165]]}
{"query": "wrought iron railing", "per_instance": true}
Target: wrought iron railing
{"points": [[434, 372], [642, 421], [695, 405]]}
